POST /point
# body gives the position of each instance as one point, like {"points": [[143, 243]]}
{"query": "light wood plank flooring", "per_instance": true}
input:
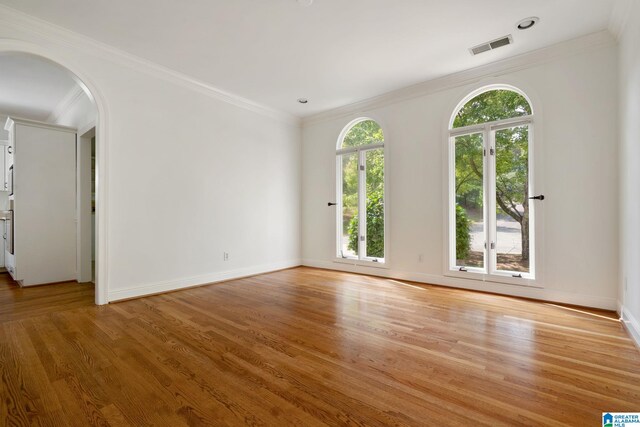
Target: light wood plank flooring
{"points": [[309, 347]]}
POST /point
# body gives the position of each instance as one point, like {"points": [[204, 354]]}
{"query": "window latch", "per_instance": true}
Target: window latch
{"points": [[540, 197], [462, 269], [493, 245], [331, 204], [517, 275]]}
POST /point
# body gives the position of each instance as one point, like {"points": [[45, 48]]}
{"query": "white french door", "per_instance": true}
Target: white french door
{"points": [[492, 212], [360, 202]]}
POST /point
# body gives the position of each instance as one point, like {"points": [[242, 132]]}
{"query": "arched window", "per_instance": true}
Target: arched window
{"points": [[360, 192], [491, 212]]}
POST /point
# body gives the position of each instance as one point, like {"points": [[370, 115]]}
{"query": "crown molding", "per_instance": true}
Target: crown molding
{"points": [[565, 49], [69, 100], [619, 17], [53, 33], [11, 121]]}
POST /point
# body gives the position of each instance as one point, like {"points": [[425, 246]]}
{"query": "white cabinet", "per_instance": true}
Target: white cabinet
{"points": [[43, 226]]}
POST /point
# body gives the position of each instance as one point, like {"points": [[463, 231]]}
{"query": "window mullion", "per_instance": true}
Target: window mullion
{"points": [[492, 216], [362, 206]]}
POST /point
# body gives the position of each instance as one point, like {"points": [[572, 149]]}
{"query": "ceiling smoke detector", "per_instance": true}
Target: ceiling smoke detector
{"points": [[527, 23]]}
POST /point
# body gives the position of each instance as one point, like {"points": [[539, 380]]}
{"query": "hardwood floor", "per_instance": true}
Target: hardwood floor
{"points": [[18, 303], [311, 347]]}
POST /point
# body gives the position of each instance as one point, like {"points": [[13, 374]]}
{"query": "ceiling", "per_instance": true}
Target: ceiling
{"points": [[334, 52], [31, 87]]}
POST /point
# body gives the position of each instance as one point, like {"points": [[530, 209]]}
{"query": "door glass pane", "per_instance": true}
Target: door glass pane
{"points": [[349, 224], [374, 167], [512, 203], [470, 223]]}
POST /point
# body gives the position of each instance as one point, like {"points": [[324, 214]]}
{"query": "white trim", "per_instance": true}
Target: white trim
{"points": [[15, 19], [86, 128], [495, 125], [66, 103], [562, 50], [360, 148], [548, 295], [619, 308], [84, 232], [11, 120], [367, 262], [632, 324], [190, 282], [619, 17]]}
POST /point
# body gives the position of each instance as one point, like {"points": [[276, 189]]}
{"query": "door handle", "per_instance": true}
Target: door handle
{"points": [[540, 197], [331, 204]]}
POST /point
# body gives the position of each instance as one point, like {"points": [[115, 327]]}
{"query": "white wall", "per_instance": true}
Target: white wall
{"points": [[630, 170], [190, 175], [575, 94]]}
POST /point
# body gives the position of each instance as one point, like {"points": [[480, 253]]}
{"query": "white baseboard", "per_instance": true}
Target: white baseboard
{"points": [[619, 308], [173, 285], [632, 324], [476, 285]]}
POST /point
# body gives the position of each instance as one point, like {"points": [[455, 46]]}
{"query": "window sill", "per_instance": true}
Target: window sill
{"points": [[492, 278], [361, 263]]}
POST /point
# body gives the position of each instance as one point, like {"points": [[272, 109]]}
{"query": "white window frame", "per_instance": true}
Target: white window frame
{"points": [[362, 199], [489, 272]]}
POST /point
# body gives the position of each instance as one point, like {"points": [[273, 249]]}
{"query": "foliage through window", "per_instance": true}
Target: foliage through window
{"points": [[492, 106], [491, 220], [360, 164]]}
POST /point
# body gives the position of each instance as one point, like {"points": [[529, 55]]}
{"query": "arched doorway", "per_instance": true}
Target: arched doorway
{"points": [[8, 46]]}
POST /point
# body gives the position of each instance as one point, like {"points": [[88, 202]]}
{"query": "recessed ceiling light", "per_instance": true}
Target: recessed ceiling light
{"points": [[527, 23], [303, 100]]}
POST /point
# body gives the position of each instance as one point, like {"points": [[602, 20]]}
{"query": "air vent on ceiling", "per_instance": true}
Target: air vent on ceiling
{"points": [[494, 44]]}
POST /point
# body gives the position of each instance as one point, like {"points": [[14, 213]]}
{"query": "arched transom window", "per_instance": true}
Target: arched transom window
{"points": [[360, 192], [491, 211]]}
